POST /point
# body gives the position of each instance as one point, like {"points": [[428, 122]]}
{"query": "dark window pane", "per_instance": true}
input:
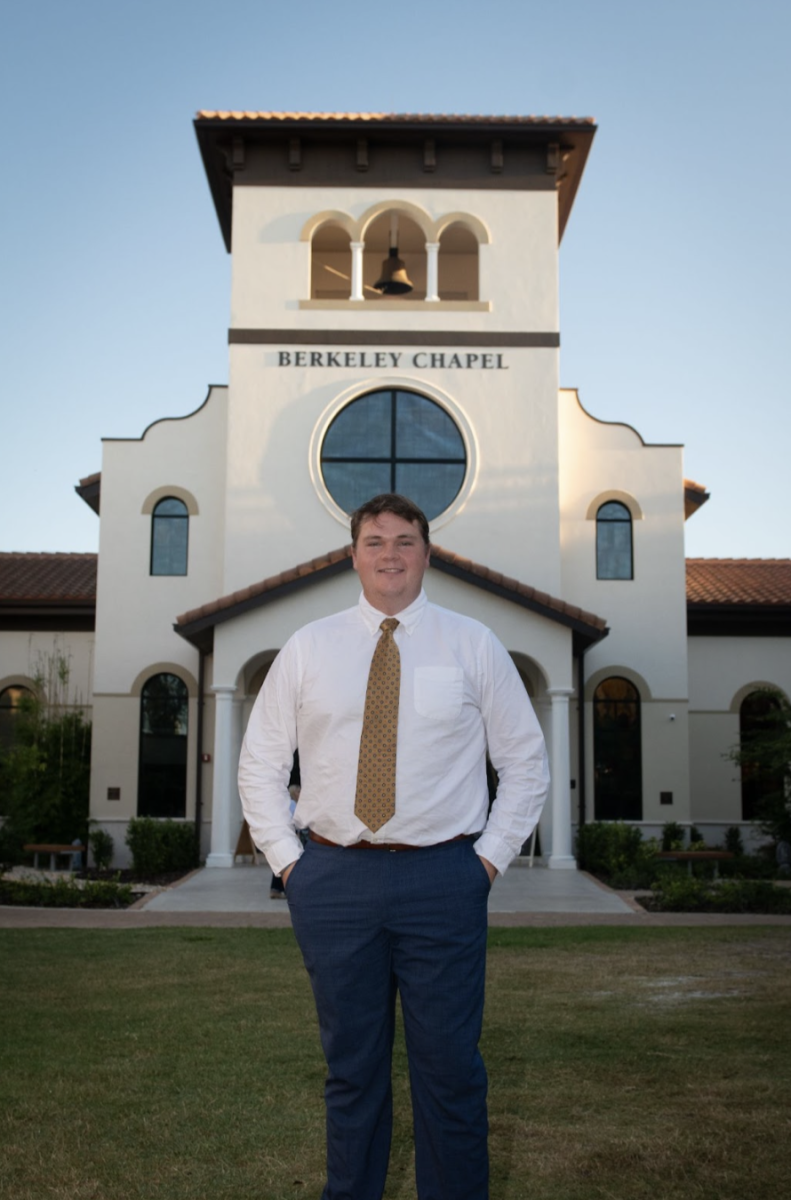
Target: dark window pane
{"points": [[424, 430], [614, 542], [614, 551], [10, 700], [171, 507], [162, 777], [617, 752], [361, 430], [169, 538], [759, 783], [394, 428], [351, 484], [432, 487], [613, 511]]}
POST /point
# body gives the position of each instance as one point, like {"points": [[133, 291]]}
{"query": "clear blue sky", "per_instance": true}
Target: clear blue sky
{"points": [[114, 281]]}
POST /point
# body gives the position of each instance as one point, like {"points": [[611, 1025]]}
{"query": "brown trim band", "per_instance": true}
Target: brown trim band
{"points": [[343, 337]]}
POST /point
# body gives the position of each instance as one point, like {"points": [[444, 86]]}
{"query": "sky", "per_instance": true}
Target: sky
{"points": [[675, 264]]}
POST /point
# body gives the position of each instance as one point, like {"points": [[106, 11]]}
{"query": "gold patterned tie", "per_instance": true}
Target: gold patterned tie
{"points": [[374, 802]]}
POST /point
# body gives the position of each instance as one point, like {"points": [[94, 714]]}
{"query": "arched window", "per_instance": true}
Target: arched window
{"points": [[162, 776], [393, 441], [614, 542], [458, 263], [331, 263], [617, 751], [169, 537], [759, 783], [411, 245], [10, 700]]}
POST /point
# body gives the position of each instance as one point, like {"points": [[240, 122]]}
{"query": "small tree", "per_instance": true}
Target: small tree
{"points": [[45, 773], [766, 752]]}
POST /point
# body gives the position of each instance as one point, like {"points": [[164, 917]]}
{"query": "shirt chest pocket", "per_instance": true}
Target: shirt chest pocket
{"points": [[439, 692]]}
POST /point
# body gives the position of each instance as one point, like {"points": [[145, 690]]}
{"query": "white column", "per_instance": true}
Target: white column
{"points": [[225, 800], [432, 271], [560, 789], [357, 270]]}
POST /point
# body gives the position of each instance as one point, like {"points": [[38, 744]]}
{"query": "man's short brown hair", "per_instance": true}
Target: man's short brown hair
{"points": [[389, 502]]}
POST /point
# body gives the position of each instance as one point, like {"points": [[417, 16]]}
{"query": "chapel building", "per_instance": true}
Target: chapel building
{"points": [[395, 327]]}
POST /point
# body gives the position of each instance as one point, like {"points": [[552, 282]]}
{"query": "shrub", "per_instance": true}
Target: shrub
{"points": [[672, 836], [733, 840], [65, 893], [102, 848], [696, 838], [616, 852], [749, 866], [11, 841], [750, 895], [730, 896], [45, 773], [679, 893], [161, 846]]}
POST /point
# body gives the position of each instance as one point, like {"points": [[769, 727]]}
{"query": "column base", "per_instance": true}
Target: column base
{"points": [[561, 862], [220, 860]]}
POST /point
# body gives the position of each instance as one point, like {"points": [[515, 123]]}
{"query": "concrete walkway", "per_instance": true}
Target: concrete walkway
{"points": [[245, 889], [238, 897]]}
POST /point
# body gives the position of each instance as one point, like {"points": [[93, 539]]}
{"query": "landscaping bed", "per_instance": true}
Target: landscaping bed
{"points": [[163, 852], [89, 888], [66, 892], [672, 875], [723, 896]]}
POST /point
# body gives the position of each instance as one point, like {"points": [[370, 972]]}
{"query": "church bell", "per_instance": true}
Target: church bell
{"points": [[393, 279]]}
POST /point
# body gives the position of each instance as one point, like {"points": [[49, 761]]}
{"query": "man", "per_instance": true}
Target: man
{"points": [[393, 719]]}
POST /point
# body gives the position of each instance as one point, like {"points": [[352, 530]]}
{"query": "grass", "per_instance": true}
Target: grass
{"points": [[183, 1064]]}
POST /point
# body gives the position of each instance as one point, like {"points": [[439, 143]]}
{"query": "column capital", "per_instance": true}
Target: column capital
{"points": [[223, 691], [561, 692]]}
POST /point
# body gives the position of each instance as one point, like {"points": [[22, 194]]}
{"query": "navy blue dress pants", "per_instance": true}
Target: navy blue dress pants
{"points": [[371, 923]]}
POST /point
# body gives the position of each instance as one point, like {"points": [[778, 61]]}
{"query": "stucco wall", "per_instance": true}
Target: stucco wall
{"points": [[722, 672], [271, 264], [25, 655]]}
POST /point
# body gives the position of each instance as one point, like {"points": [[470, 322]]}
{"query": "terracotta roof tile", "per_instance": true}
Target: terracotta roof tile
{"points": [[520, 591], [392, 118], [271, 584], [61, 578], [739, 581]]}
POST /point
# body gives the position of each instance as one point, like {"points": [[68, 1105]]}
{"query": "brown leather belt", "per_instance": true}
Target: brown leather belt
{"points": [[391, 846]]}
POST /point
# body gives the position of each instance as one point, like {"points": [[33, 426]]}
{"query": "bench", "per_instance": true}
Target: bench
{"points": [[54, 849], [693, 856]]}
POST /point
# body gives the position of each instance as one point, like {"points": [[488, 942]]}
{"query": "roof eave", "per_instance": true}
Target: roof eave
{"points": [[212, 127], [738, 620], [199, 630], [91, 492]]}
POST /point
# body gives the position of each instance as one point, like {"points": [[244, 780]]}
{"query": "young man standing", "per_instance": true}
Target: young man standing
{"points": [[393, 705]]}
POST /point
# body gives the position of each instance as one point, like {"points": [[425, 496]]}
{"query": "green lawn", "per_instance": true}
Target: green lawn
{"points": [[183, 1064]]}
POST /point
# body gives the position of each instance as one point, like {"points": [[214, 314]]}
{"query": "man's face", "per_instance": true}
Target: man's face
{"points": [[390, 557]]}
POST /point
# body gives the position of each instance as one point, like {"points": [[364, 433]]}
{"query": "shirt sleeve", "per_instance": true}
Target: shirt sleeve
{"points": [[518, 755], [266, 761]]}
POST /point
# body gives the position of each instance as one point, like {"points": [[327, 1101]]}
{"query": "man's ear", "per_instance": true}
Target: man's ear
{"points": [[354, 558]]}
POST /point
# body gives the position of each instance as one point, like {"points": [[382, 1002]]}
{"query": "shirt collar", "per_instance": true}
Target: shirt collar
{"points": [[409, 617]]}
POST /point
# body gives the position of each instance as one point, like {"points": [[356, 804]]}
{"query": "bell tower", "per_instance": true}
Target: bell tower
{"points": [[394, 327]]}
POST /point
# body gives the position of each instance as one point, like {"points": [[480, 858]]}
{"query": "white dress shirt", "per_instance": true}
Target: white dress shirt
{"points": [[460, 693]]}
